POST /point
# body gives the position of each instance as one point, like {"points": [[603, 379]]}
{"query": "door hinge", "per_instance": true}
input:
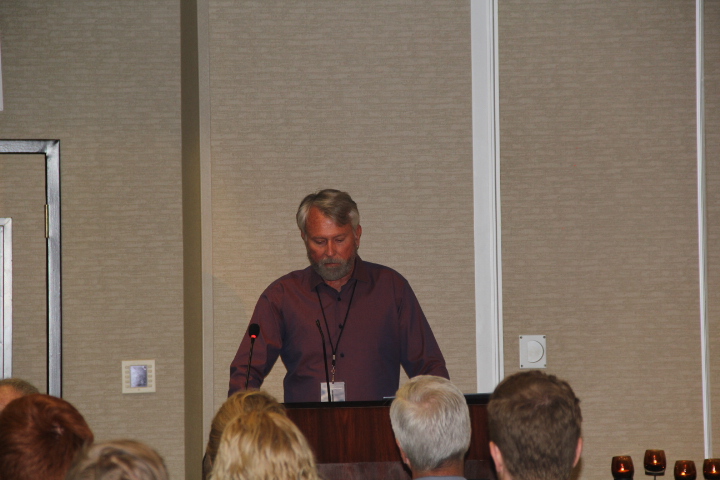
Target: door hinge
{"points": [[47, 221]]}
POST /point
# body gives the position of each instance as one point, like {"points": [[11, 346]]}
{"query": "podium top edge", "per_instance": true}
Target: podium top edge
{"points": [[471, 398]]}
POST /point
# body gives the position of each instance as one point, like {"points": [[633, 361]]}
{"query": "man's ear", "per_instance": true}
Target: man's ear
{"points": [[404, 457], [357, 233], [496, 454], [578, 451]]}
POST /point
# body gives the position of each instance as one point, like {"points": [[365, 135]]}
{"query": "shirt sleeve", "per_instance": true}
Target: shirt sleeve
{"points": [[420, 353], [265, 351]]}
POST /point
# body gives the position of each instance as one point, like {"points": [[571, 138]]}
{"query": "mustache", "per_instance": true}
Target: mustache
{"points": [[328, 260]]}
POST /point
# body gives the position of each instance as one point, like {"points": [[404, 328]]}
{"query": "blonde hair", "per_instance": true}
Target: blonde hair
{"points": [[239, 403], [118, 460], [263, 445]]}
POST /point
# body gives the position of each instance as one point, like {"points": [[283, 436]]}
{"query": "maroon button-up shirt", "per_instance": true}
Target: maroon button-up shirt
{"points": [[384, 328]]}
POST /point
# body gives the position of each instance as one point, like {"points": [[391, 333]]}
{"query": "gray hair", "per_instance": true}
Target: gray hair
{"points": [[332, 203], [19, 385], [431, 421], [118, 460]]}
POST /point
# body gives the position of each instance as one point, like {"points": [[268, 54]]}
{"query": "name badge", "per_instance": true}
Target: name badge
{"points": [[337, 389]]}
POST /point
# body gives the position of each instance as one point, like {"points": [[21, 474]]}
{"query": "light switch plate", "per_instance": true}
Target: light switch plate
{"points": [[138, 376], [533, 351]]}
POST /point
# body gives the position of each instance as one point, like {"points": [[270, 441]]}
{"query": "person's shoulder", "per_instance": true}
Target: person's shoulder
{"points": [[383, 272], [291, 280], [377, 267]]}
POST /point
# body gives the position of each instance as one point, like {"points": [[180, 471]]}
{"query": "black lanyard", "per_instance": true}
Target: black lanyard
{"points": [[334, 348]]}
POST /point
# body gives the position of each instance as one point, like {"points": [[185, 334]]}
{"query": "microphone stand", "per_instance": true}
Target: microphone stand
{"points": [[327, 375], [253, 332]]}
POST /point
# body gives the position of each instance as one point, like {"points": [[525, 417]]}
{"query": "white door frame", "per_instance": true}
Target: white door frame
{"points": [[486, 186]]}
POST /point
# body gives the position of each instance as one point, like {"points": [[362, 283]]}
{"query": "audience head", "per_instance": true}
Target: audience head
{"points": [[39, 438], [12, 388], [239, 403], [118, 460], [263, 445], [534, 423], [337, 205], [431, 422]]}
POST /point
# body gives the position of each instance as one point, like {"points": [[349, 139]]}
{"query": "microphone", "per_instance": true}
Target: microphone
{"points": [[253, 332], [327, 375]]}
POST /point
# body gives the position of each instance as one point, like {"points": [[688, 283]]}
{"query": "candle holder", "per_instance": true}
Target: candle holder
{"points": [[685, 470], [711, 469], [622, 467], [654, 462]]}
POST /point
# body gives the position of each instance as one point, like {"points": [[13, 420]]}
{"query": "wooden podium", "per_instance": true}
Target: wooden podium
{"points": [[354, 440]]}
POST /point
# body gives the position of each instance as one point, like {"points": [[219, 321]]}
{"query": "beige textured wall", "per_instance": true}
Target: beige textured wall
{"points": [[599, 222], [597, 183], [368, 97], [103, 78]]}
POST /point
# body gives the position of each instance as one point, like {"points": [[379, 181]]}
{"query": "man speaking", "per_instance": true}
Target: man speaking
{"points": [[341, 321]]}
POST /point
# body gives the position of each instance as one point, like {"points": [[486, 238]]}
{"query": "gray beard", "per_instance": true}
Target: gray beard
{"points": [[330, 274]]}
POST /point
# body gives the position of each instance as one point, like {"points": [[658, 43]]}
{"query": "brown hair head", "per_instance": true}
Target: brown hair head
{"points": [[535, 421], [39, 437]]}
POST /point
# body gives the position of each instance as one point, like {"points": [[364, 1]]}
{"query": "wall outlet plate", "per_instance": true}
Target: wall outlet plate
{"points": [[533, 351], [138, 376]]}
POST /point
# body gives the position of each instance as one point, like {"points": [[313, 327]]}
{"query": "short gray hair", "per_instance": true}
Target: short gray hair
{"points": [[431, 421], [19, 385], [118, 460], [332, 203]]}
